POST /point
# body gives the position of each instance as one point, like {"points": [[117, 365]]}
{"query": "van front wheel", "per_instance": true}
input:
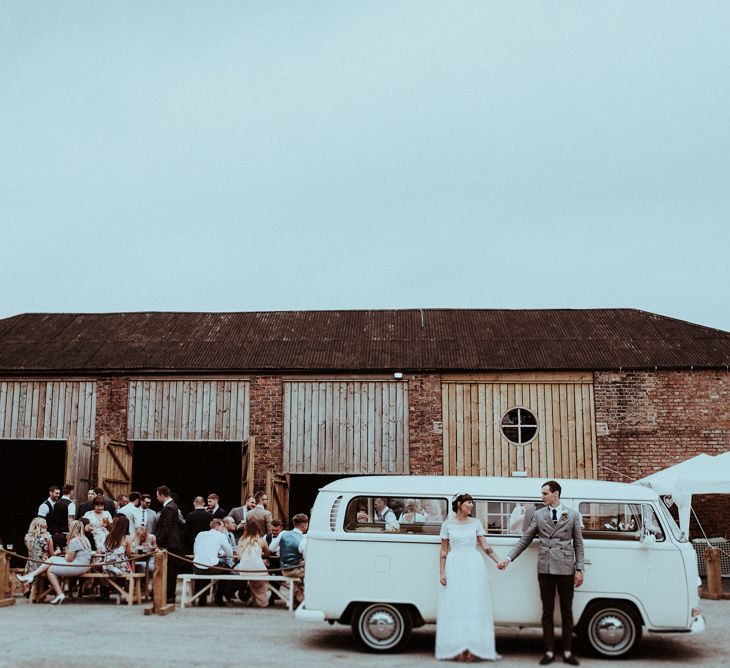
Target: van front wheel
{"points": [[381, 627], [611, 629]]}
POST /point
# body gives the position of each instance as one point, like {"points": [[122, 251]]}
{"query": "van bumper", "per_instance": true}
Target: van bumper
{"points": [[301, 614], [698, 625]]}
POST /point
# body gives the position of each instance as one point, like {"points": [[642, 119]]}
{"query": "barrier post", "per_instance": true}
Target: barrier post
{"points": [[6, 586], [160, 606], [714, 575]]}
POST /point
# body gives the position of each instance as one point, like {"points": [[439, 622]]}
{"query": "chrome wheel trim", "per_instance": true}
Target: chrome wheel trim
{"points": [[381, 626], [612, 631]]}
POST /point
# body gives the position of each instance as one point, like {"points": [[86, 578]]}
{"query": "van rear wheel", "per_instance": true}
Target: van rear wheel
{"points": [[612, 629], [381, 627]]}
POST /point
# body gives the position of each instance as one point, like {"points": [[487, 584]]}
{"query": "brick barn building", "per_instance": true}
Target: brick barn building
{"points": [[232, 402]]}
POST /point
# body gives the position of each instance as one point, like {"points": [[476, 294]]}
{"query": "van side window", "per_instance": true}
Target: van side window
{"points": [[619, 521], [505, 517], [378, 514]]}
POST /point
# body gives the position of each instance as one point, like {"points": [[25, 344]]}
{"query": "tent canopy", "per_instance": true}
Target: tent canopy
{"points": [[702, 474]]}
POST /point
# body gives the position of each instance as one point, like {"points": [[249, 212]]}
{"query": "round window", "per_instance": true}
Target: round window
{"points": [[519, 426]]}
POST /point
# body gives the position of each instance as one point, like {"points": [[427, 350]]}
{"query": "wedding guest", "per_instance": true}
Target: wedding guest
{"points": [[260, 513], [86, 506], [464, 618], [292, 547], [412, 512], [274, 560], [168, 536], [559, 566], [252, 550], [64, 511], [144, 540], [384, 514], [240, 513], [118, 547], [208, 547], [148, 517], [39, 544], [45, 510], [99, 519], [132, 511], [197, 520], [213, 508], [75, 563]]}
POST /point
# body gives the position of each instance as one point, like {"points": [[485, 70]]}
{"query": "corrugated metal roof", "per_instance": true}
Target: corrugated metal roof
{"points": [[406, 340]]}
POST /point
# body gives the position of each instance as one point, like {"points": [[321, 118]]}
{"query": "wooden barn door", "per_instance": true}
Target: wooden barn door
{"points": [[78, 465], [247, 471], [277, 489], [115, 466]]}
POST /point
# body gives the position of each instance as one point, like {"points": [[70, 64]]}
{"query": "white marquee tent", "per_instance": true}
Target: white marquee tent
{"points": [[702, 474]]}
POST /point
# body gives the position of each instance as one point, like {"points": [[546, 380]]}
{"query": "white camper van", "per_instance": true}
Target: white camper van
{"points": [[372, 558]]}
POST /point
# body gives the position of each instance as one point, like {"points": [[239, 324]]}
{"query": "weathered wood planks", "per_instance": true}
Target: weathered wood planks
{"points": [[346, 426], [472, 410]]}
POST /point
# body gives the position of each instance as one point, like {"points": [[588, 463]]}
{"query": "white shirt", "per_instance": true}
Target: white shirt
{"points": [[134, 515], [71, 506], [43, 509], [208, 546], [274, 547]]}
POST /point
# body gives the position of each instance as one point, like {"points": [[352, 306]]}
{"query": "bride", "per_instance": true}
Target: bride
{"points": [[464, 622]]}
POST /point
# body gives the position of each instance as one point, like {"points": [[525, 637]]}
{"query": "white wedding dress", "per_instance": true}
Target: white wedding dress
{"points": [[465, 620]]}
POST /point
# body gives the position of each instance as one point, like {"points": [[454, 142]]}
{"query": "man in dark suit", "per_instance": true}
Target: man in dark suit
{"points": [[214, 510], [197, 520], [168, 536]]}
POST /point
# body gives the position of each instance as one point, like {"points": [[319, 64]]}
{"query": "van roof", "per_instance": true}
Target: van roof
{"points": [[397, 485]]}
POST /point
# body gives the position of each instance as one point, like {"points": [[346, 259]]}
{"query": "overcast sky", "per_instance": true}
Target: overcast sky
{"points": [[226, 156]]}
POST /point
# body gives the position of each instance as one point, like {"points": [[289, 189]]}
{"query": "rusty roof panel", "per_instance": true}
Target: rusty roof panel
{"points": [[383, 340]]}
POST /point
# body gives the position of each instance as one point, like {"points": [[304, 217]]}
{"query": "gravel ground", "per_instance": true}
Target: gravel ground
{"points": [[104, 635]]}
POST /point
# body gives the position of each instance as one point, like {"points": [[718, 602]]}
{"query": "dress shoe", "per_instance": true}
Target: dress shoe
{"points": [[59, 599], [548, 658], [25, 579], [570, 660]]}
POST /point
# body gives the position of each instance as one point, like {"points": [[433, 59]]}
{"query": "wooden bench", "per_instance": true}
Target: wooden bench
{"points": [[188, 597], [131, 592]]}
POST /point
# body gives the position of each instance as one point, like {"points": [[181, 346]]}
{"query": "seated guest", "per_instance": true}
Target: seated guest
{"points": [[274, 561], [100, 521], [292, 546], [384, 514], [412, 512], [39, 544], [118, 547], [252, 550], [75, 563], [209, 546], [89, 532], [144, 540]]}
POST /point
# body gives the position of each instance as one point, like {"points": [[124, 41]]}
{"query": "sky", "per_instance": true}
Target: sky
{"points": [[246, 156]]}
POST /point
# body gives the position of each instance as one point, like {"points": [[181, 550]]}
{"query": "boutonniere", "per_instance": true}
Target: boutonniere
{"points": [[564, 515]]}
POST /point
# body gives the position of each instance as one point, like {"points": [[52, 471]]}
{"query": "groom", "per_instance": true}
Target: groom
{"points": [[559, 566]]}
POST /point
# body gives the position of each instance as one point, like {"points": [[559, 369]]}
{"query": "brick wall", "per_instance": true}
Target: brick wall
{"points": [[111, 415], [647, 421], [424, 425], [266, 423]]}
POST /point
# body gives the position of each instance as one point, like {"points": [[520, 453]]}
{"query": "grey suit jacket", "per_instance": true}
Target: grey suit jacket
{"points": [[561, 544], [238, 514]]}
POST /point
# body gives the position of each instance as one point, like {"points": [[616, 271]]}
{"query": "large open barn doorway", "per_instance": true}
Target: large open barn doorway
{"points": [[189, 469], [28, 468], [303, 489]]}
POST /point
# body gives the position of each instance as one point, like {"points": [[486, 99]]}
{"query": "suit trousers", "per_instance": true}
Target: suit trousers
{"points": [[564, 584]]}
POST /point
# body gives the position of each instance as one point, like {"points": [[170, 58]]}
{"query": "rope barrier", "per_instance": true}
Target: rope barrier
{"points": [[137, 557], [270, 571]]}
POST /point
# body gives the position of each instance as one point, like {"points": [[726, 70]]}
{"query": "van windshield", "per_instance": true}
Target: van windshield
{"points": [[669, 521], [395, 514]]}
